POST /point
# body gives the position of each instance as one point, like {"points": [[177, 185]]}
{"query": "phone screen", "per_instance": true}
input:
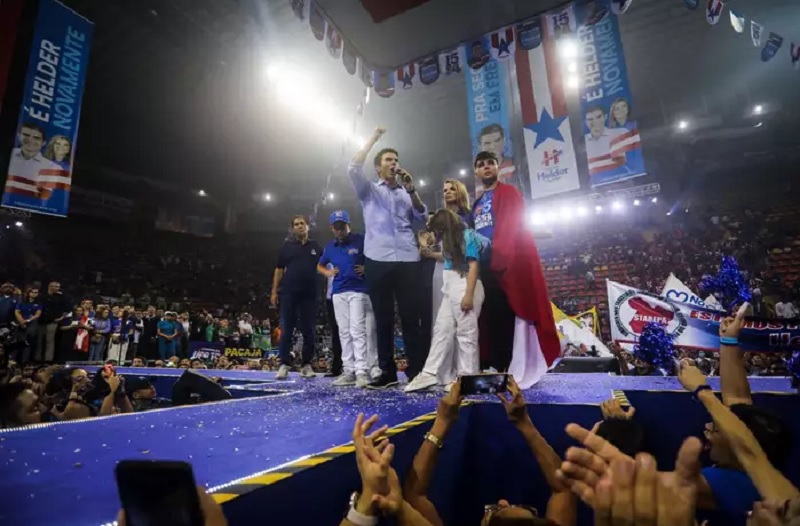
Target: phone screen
{"points": [[484, 383], [158, 493]]}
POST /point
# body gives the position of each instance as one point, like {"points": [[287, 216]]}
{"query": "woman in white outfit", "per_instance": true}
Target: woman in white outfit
{"points": [[456, 199], [461, 302]]}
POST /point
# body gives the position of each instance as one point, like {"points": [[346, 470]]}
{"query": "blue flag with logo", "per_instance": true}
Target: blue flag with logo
{"points": [[40, 170]]}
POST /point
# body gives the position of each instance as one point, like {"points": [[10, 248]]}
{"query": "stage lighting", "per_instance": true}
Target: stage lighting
{"points": [[566, 213], [758, 109], [573, 82], [267, 197], [18, 224], [276, 70], [654, 200], [202, 193], [683, 125], [636, 202], [598, 209], [462, 172], [551, 216], [422, 182], [568, 48], [572, 67], [582, 211], [537, 219], [331, 197], [616, 205], [669, 213]]}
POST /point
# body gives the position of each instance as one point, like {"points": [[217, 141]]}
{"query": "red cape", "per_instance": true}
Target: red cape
{"points": [[515, 261]]}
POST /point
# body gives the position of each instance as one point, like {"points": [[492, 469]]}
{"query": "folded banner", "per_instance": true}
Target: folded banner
{"points": [[40, 171], [613, 144], [545, 117], [487, 99], [692, 326]]}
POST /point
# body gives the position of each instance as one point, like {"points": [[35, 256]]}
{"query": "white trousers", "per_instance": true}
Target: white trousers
{"points": [[351, 310], [451, 322], [117, 351]]}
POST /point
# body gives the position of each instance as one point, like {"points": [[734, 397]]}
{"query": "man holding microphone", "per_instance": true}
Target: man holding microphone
{"points": [[391, 205]]}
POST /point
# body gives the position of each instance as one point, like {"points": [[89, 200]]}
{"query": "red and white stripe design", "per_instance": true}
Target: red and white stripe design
{"points": [[619, 146], [42, 187], [541, 87]]}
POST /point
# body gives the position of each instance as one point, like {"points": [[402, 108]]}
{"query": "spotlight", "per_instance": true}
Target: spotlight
{"points": [[636, 202], [758, 124], [654, 200], [669, 213], [573, 82], [758, 109], [331, 197], [572, 67], [566, 213], [275, 70], [537, 219], [551, 216], [202, 193], [267, 197], [422, 182], [462, 172], [582, 211], [568, 48], [616, 205], [683, 125], [598, 209], [18, 224]]}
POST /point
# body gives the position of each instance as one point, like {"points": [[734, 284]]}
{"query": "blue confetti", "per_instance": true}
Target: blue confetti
{"points": [[728, 286]]}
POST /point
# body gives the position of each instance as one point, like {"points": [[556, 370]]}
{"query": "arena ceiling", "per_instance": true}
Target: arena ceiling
{"points": [[176, 91]]}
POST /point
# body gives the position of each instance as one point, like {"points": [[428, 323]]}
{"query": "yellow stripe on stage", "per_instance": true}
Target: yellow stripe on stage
{"points": [[266, 479]]}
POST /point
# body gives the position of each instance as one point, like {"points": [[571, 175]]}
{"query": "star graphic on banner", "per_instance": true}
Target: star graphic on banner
{"points": [[547, 128], [503, 48]]}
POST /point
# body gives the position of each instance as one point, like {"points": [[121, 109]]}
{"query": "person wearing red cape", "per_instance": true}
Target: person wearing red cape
{"points": [[517, 331]]}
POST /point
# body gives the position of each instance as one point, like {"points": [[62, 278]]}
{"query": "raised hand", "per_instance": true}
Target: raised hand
{"points": [[515, 408], [731, 327], [690, 376], [449, 405], [373, 462], [612, 409]]}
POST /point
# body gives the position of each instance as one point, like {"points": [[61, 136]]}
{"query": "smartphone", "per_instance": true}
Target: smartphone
{"points": [[484, 383], [158, 493]]}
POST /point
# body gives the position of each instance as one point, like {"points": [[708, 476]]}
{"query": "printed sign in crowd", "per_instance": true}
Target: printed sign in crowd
{"points": [[691, 325], [212, 351]]}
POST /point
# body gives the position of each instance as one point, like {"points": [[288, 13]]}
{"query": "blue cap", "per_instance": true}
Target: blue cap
{"points": [[340, 215]]}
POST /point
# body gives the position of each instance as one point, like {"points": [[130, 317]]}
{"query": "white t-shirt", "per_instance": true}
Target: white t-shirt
{"points": [[245, 327]]}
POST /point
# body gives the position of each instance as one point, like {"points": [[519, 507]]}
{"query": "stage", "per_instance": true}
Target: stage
{"points": [[266, 455]]}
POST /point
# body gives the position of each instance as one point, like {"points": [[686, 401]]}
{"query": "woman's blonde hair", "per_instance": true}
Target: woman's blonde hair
{"points": [[50, 153], [462, 196]]}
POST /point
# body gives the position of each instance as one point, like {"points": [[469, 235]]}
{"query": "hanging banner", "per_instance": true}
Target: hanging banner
{"points": [[795, 55], [691, 326], [407, 75], [487, 100], [774, 43], [333, 41], [503, 45], [737, 21], [714, 11], [613, 144], [349, 59], [561, 22], [10, 15], [429, 70], [545, 118], [40, 171], [451, 62], [588, 320], [384, 83], [477, 53], [755, 32]]}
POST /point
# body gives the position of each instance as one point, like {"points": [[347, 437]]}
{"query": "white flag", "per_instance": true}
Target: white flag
{"points": [[737, 21], [755, 31]]}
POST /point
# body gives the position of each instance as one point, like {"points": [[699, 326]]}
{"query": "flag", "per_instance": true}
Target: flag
{"points": [[618, 7], [503, 46], [774, 43], [365, 73], [795, 54], [349, 58], [333, 42], [477, 53], [529, 33], [545, 119], [737, 21], [451, 61], [692, 4], [714, 11], [429, 70], [316, 21], [384, 83], [755, 32], [562, 21], [406, 75]]}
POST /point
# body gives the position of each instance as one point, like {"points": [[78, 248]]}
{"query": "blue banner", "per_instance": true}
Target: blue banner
{"points": [[487, 100], [613, 144], [40, 171]]}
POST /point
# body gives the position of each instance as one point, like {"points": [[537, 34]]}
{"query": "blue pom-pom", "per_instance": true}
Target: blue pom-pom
{"points": [[728, 286], [655, 347], [793, 364]]}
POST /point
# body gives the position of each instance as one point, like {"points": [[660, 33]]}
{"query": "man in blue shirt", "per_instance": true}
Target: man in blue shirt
{"points": [[391, 205], [343, 260], [296, 279], [8, 304]]}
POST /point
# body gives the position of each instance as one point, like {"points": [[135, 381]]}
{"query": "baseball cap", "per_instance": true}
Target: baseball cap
{"points": [[137, 383], [340, 216]]}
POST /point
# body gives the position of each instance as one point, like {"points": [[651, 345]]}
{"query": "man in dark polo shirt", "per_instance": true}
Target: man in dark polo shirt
{"points": [[296, 280], [54, 307]]}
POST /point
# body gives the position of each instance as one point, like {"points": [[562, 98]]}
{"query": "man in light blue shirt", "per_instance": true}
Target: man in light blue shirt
{"points": [[391, 205]]}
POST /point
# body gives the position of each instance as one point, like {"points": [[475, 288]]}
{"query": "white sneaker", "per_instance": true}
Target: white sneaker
{"points": [[448, 387], [375, 372], [363, 380], [422, 381], [308, 372], [345, 379], [283, 372]]}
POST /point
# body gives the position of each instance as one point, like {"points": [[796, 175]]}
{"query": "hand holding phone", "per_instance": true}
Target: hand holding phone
{"points": [[490, 383], [162, 493]]}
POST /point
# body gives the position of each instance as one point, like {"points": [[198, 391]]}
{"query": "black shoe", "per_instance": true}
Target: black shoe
{"points": [[383, 381]]}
